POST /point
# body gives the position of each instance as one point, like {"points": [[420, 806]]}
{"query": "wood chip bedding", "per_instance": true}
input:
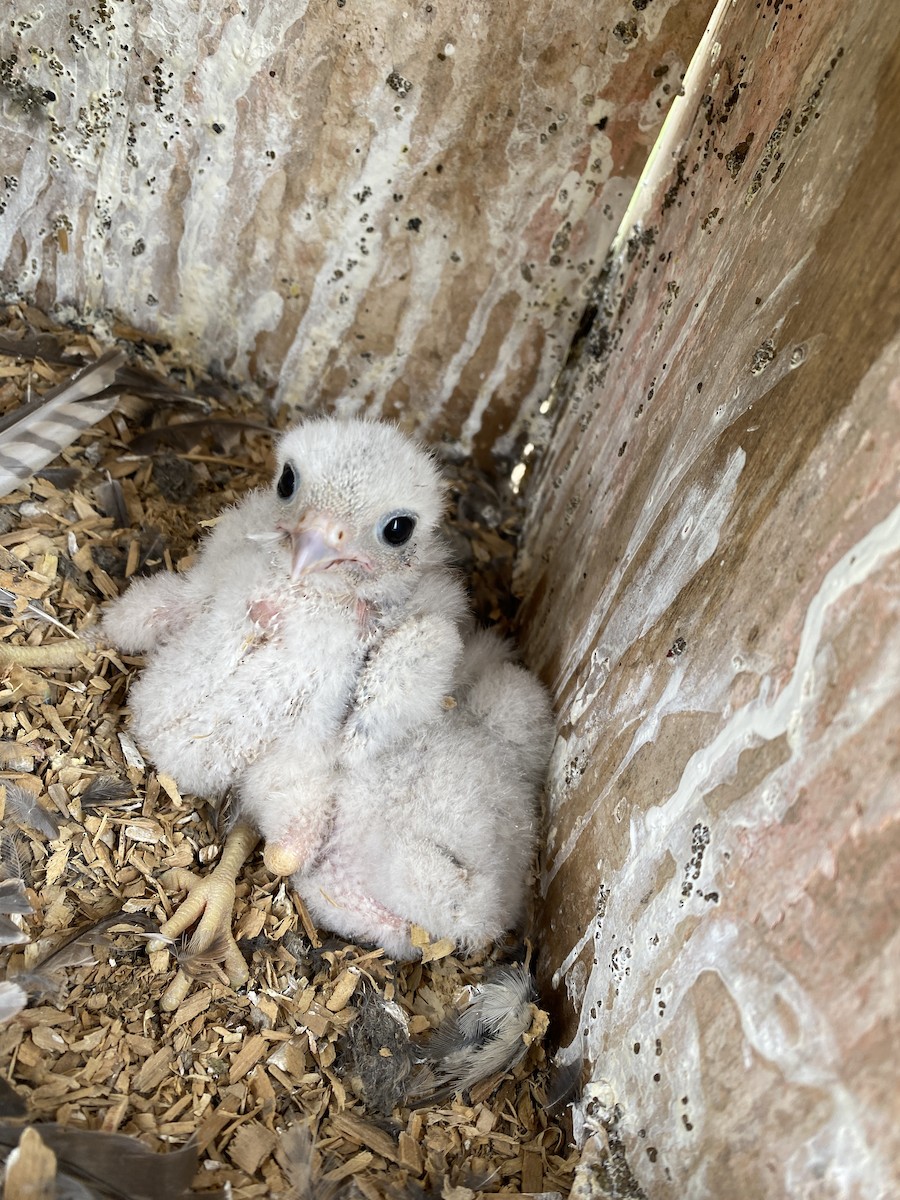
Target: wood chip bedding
{"points": [[272, 1086]]}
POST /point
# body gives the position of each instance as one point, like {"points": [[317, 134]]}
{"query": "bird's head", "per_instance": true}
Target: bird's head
{"points": [[355, 497]]}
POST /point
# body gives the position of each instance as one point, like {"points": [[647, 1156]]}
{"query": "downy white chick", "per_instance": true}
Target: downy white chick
{"points": [[316, 661]]}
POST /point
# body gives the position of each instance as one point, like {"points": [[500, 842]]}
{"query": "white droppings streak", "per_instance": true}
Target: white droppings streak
{"points": [[324, 324], [675, 559], [779, 1021]]}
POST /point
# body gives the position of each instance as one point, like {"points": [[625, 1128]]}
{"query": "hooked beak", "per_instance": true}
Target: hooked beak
{"points": [[318, 543]]}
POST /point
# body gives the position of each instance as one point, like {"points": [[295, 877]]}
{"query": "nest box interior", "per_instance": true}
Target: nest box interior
{"points": [[634, 267]]}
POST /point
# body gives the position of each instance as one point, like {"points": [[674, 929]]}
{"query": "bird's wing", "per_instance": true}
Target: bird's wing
{"points": [[35, 433]]}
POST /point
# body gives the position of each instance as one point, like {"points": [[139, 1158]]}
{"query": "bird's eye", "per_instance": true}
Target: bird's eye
{"points": [[287, 482], [397, 531]]}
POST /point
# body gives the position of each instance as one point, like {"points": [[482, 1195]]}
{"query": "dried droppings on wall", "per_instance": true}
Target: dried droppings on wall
{"points": [[717, 516], [360, 205]]}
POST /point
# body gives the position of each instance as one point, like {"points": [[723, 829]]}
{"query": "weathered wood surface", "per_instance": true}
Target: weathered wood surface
{"points": [[713, 586], [243, 179]]}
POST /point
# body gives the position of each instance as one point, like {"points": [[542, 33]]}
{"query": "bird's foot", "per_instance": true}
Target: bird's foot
{"points": [[281, 859], [296, 847], [211, 899]]}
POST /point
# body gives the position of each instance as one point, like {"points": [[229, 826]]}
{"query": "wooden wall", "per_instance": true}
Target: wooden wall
{"points": [[711, 569], [713, 587], [355, 202]]}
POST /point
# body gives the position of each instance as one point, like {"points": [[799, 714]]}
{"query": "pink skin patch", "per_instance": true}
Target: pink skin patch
{"points": [[366, 907], [365, 614], [264, 613], [341, 887]]}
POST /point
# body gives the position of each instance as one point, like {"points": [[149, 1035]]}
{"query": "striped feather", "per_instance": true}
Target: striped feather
{"points": [[33, 434], [29, 608]]}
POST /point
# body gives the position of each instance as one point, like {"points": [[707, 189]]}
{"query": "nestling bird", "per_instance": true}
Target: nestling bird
{"points": [[318, 662]]}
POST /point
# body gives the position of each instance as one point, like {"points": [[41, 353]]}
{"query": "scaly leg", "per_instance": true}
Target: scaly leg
{"points": [[52, 656], [213, 897], [137, 621]]}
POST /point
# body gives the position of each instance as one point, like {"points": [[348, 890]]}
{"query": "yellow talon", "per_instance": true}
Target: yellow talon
{"points": [[211, 900]]}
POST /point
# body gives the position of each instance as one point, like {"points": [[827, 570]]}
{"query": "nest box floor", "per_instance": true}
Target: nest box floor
{"points": [[231, 1070]]}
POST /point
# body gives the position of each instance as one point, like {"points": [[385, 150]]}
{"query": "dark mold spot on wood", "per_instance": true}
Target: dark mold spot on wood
{"points": [[763, 355], [770, 151], [692, 868], [735, 158], [29, 97], [680, 180], [626, 31], [812, 102], [400, 85]]}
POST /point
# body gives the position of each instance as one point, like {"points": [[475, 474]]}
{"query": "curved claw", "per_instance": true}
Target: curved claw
{"points": [[211, 899]]}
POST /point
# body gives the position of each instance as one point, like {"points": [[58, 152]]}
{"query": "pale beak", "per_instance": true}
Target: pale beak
{"points": [[317, 543], [309, 552]]}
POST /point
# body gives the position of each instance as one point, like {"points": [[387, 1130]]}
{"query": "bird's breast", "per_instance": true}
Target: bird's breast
{"points": [[236, 676]]}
